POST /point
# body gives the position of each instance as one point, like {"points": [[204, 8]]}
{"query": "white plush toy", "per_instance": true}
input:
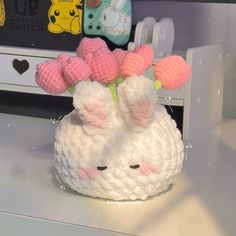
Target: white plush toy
{"points": [[136, 156], [117, 143]]}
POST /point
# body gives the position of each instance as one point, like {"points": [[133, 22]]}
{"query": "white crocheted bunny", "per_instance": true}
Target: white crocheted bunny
{"points": [[113, 20], [127, 151]]}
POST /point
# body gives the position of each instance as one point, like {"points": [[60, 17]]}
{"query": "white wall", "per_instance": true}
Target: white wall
{"points": [[198, 24]]}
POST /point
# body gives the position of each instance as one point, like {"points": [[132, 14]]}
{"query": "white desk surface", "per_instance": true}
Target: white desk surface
{"points": [[202, 201]]}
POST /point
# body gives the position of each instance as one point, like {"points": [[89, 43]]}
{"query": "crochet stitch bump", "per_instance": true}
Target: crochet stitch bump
{"points": [[173, 72], [50, 77]]}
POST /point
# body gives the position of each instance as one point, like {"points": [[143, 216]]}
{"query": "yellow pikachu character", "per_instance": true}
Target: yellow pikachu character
{"points": [[2, 13], [65, 15]]}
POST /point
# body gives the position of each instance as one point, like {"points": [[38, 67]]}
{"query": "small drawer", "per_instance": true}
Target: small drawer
{"points": [[19, 70]]}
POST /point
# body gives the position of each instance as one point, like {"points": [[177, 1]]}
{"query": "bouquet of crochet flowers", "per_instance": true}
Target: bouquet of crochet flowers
{"points": [[117, 143]]}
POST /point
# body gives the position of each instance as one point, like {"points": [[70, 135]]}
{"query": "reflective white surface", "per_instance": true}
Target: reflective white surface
{"points": [[202, 201]]}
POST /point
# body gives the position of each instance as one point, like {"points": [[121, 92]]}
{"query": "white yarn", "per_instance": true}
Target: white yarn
{"points": [[134, 89], [118, 146]]}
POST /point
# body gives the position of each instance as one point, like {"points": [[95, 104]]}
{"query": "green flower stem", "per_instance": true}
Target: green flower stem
{"points": [[157, 84], [112, 88], [71, 89], [119, 80]]}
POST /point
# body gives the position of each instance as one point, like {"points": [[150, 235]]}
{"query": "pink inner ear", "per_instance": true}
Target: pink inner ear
{"points": [[95, 115], [141, 112]]}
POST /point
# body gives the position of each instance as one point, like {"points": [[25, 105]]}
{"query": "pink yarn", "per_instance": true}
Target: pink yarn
{"points": [[88, 173], [141, 112], [148, 54], [173, 72], [133, 64], [147, 169], [49, 77], [83, 174], [95, 115], [103, 65], [63, 58], [119, 54], [144, 170], [89, 45], [76, 70]]}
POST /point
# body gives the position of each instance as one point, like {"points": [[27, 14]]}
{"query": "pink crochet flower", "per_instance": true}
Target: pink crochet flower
{"points": [[133, 64], [148, 54], [103, 65], [76, 70], [119, 54], [49, 77], [89, 45], [63, 58], [172, 72]]}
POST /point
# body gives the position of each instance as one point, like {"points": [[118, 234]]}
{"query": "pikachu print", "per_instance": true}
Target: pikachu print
{"points": [[65, 16], [2, 13]]}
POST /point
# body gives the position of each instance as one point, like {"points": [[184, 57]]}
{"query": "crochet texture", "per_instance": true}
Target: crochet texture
{"points": [[127, 151]]}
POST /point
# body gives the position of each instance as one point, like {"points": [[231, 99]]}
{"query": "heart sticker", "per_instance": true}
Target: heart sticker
{"points": [[20, 66]]}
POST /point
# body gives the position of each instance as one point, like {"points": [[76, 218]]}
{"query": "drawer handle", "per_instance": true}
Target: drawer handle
{"points": [[20, 66]]}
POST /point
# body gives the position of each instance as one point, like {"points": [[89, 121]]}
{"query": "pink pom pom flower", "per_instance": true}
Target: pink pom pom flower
{"points": [[119, 54], [148, 54], [89, 45], [50, 78], [103, 65], [63, 59], [76, 70], [173, 72], [133, 64]]}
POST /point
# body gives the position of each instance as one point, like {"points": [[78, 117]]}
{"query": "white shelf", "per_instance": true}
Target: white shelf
{"points": [[202, 201]]}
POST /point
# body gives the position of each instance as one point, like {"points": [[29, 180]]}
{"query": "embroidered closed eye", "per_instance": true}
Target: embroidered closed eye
{"points": [[102, 167], [134, 166]]}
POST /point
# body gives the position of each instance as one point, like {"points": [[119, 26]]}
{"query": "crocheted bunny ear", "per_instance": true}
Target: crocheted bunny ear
{"points": [[137, 99], [94, 105], [172, 72]]}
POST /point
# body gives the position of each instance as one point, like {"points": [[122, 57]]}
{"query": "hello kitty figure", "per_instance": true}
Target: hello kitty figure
{"points": [[118, 143], [113, 20]]}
